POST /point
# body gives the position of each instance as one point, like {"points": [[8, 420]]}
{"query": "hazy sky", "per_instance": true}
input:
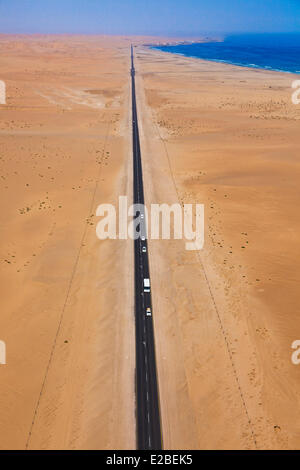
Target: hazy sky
{"points": [[149, 16]]}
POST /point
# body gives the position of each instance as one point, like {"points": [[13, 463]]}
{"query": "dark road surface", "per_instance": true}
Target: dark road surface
{"points": [[147, 413]]}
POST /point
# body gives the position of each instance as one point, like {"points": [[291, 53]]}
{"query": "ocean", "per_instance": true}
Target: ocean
{"points": [[279, 52]]}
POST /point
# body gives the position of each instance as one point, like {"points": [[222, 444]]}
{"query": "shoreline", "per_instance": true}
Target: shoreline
{"points": [[218, 61], [185, 42]]}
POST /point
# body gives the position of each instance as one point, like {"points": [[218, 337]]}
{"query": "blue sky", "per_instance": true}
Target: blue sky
{"points": [[169, 17]]}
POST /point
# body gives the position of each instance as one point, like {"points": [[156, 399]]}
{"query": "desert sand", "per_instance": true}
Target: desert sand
{"points": [[66, 301], [225, 317]]}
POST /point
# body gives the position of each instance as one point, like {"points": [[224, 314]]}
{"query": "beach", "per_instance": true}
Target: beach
{"points": [[224, 317]]}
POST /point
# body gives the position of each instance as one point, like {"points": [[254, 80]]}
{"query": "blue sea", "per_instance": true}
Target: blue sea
{"points": [[279, 52]]}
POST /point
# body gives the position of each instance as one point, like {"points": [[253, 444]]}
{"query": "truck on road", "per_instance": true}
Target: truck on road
{"points": [[146, 285]]}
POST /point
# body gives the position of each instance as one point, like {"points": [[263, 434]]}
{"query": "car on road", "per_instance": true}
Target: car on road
{"points": [[144, 249], [148, 312]]}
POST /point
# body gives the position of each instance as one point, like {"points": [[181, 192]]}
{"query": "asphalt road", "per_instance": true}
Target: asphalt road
{"points": [[149, 436]]}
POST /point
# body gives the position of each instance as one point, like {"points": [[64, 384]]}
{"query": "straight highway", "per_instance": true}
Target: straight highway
{"points": [[149, 436]]}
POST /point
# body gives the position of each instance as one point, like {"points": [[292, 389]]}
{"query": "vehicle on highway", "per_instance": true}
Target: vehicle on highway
{"points": [[146, 285], [148, 312], [143, 238], [144, 249]]}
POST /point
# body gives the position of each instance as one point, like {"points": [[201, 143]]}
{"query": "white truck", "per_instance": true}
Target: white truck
{"points": [[146, 285]]}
